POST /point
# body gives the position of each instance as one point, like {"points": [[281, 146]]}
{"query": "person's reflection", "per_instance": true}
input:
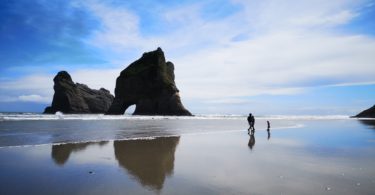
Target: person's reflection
{"points": [[149, 161], [251, 140], [60, 153], [269, 134]]}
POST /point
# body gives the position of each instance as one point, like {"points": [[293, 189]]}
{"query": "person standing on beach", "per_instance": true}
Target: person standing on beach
{"points": [[251, 121]]}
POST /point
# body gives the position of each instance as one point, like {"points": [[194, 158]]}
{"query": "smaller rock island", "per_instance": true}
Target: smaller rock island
{"points": [[369, 113], [76, 98], [149, 84]]}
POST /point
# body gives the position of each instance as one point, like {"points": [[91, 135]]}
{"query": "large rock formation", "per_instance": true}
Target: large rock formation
{"points": [[369, 113], [149, 84], [73, 97]]}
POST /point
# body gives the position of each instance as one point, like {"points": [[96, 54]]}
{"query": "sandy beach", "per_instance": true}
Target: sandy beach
{"points": [[313, 157]]}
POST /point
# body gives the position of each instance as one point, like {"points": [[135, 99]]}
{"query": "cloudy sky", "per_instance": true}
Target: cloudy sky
{"points": [[230, 56]]}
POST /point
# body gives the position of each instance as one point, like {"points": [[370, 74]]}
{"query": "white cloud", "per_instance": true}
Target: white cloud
{"points": [[96, 79], [228, 101], [40, 86], [33, 82], [26, 98], [278, 63], [286, 48], [121, 25], [339, 18], [290, 46], [120, 28], [34, 98], [271, 15]]}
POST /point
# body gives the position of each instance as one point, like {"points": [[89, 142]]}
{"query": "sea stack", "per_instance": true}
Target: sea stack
{"points": [[148, 83], [75, 98], [369, 113]]}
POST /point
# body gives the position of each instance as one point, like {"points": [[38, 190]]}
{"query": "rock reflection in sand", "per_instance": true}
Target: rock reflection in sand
{"points": [[60, 153], [149, 161]]}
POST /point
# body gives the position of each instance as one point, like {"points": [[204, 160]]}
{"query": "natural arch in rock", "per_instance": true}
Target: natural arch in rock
{"points": [[130, 109], [149, 83]]}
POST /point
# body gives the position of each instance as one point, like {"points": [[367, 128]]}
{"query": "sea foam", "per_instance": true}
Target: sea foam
{"points": [[61, 116]]}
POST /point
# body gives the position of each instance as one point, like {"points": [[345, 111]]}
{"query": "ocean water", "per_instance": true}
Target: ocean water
{"points": [[205, 154]]}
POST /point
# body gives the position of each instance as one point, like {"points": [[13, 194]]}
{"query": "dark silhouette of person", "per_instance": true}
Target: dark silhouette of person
{"points": [[268, 130], [251, 141], [251, 121]]}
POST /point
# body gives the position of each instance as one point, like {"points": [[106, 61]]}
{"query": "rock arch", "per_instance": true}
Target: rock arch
{"points": [[149, 84]]}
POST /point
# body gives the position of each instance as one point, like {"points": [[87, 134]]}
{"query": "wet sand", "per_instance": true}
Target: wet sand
{"points": [[322, 157]]}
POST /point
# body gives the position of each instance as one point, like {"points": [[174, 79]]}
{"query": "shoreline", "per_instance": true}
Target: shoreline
{"points": [[149, 137], [61, 116]]}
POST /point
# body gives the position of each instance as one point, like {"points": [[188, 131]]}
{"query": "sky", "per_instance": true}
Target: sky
{"points": [[269, 57]]}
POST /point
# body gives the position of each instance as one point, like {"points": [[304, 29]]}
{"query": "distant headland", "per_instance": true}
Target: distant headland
{"points": [[369, 113], [148, 83]]}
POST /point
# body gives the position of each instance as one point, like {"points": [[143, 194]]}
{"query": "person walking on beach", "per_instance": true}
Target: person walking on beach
{"points": [[251, 121], [268, 125]]}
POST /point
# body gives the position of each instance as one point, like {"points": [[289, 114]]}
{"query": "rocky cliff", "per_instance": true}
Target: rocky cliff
{"points": [[73, 97], [369, 113], [149, 84]]}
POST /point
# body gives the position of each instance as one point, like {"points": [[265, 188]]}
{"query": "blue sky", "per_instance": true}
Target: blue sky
{"points": [[231, 56]]}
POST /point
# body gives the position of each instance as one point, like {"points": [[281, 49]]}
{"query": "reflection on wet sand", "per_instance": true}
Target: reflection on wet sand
{"points": [[60, 153], [370, 123], [251, 141], [268, 134], [149, 161]]}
